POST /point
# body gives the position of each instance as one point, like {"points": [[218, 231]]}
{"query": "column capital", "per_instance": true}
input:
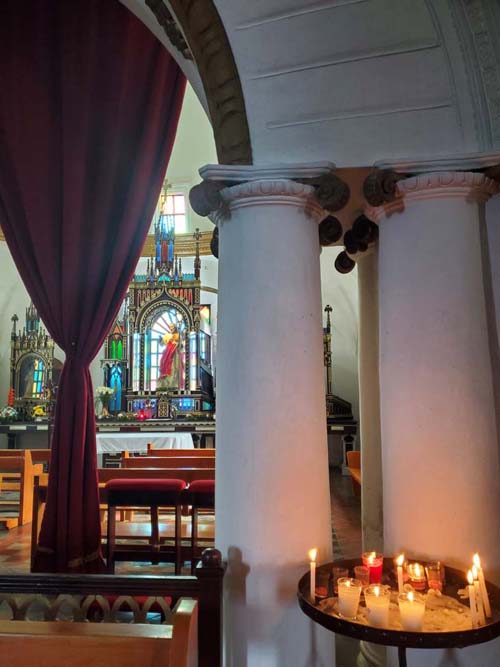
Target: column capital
{"points": [[229, 186], [470, 186]]}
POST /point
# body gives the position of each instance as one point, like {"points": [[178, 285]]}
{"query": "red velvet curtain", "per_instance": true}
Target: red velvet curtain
{"points": [[89, 104]]}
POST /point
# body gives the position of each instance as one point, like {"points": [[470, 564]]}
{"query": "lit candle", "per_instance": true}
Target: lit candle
{"points": [[349, 593], [472, 599], [412, 610], [377, 600], [482, 585], [479, 599], [312, 558], [417, 576], [374, 562], [399, 562]]}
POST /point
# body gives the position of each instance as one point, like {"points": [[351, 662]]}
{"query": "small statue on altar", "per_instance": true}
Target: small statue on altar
{"points": [[170, 362]]}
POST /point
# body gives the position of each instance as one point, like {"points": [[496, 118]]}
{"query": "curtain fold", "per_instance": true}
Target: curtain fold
{"points": [[89, 106]]}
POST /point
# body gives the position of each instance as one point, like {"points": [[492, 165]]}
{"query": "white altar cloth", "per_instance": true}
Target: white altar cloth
{"points": [[113, 443]]}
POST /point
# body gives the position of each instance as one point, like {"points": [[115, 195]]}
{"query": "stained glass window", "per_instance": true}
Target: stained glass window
{"points": [[175, 205], [38, 368]]}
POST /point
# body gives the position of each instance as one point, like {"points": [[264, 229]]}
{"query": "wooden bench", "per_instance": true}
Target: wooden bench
{"points": [[58, 644], [18, 474], [354, 467]]}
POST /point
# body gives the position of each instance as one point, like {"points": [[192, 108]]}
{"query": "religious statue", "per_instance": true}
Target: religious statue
{"points": [[170, 363]]}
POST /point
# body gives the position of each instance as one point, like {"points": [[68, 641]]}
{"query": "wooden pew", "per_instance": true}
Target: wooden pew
{"points": [[58, 644], [154, 451], [354, 467], [167, 462], [37, 455], [21, 466]]}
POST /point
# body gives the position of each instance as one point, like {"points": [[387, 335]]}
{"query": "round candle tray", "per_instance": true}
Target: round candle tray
{"points": [[454, 580]]}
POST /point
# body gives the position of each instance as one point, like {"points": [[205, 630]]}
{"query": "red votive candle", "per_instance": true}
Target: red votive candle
{"points": [[374, 562]]}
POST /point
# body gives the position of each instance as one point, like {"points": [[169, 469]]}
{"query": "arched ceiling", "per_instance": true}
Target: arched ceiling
{"points": [[364, 81]]}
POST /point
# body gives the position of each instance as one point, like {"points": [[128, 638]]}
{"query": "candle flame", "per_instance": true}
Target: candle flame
{"points": [[400, 560], [371, 557], [470, 578], [312, 555], [410, 596], [418, 573], [474, 572], [376, 591], [476, 560], [348, 582]]}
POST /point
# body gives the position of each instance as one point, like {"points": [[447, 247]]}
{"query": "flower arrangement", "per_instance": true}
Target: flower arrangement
{"points": [[104, 394], [8, 414], [38, 411]]}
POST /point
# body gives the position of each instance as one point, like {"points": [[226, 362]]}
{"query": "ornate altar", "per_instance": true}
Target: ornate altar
{"points": [[33, 368], [158, 352]]}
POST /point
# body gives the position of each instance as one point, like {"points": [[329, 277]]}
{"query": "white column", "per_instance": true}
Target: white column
{"points": [[369, 402], [272, 486], [439, 435]]}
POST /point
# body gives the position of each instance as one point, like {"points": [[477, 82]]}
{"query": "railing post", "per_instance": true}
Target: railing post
{"points": [[210, 574]]}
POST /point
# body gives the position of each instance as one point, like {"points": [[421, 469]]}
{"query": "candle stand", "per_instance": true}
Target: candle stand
{"points": [[455, 579]]}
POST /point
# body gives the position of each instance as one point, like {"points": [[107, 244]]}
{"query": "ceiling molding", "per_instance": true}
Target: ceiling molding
{"points": [[293, 13], [184, 246], [209, 45]]}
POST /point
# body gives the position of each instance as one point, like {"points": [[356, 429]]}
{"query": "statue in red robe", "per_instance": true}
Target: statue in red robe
{"points": [[169, 362]]}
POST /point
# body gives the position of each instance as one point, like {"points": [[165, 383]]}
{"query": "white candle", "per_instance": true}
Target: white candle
{"points": [[472, 599], [312, 589], [377, 600], [479, 599], [349, 593], [412, 610], [482, 585], [399, 562]]}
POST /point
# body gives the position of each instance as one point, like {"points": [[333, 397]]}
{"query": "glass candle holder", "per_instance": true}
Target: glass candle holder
{"points": [[377, 600], [435, 575], [416, 576], [349, 594], [338, 573], [322, 584], [374, 562], [412, 610], [363, 574]]}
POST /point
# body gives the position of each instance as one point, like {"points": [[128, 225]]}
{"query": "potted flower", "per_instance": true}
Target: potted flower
{"points": [[8, 414], [104, 395]]}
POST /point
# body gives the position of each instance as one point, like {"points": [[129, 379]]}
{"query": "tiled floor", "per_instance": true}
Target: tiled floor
{"points": [[346, 534]]}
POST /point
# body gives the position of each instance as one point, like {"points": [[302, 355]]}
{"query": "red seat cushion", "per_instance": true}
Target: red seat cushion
{"points": [[138, 484], [202, 486]]}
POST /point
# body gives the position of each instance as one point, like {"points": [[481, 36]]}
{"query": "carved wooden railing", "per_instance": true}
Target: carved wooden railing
{"points": [[121, 599]]}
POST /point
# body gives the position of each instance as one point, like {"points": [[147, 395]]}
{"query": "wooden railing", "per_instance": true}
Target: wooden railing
{"points": [[50, 597]]}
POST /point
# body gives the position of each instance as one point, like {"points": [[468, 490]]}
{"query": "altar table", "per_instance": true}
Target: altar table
{"points": [[114, 443]]}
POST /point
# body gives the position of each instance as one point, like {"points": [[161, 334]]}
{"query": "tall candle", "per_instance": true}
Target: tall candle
{"points": [[479, 599], [399, 562], [482, 585], [312, 588], [472, 599]]}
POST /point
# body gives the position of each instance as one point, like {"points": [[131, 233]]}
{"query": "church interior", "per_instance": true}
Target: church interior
{"points": [[250, 351]]}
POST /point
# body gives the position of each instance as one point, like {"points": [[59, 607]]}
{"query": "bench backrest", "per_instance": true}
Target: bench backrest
{"points": [[168, 462], [18, 466], [180, 452], [58, 644], [37, 455]]}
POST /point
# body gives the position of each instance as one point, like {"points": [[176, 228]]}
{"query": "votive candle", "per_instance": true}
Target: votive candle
{"points": [[349, 594], [412, 610], [377, 600], [482, 585], [312, 577], [417, 576], [374, 562]]}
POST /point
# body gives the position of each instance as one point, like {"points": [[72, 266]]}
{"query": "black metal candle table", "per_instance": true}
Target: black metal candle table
{"points": [[455, 580]]}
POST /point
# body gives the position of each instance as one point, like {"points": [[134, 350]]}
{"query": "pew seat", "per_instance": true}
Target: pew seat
{"points": [[58, 643]]}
